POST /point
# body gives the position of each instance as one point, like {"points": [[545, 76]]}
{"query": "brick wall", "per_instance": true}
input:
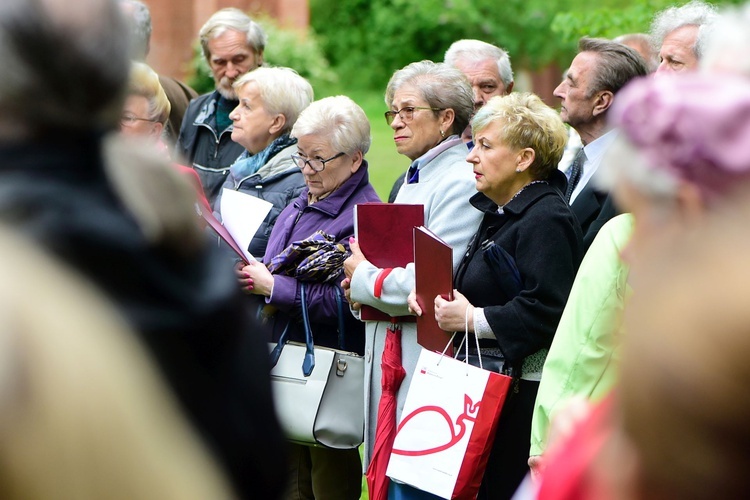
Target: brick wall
{"points": [[176, 24]]}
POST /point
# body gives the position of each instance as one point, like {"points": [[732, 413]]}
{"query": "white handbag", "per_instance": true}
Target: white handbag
{"points": [[318, 391]]}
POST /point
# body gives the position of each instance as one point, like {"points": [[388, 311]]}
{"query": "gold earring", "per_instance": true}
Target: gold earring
{"points": [[442, 134]]}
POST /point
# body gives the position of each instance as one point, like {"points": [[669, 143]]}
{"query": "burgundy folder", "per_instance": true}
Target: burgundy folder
{"points": [[433, 269], [385, 233]]}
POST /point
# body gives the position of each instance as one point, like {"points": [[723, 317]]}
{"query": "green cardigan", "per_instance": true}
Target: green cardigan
{"points": [[582, 360]]}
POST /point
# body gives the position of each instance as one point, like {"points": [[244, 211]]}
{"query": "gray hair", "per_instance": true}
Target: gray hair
{"points": [[65, 65], [442, 86], [235, 20], [282, 91], [625, 163], [139, 19], [694, 13], [476, 51], [617, 65], [727, 42], [337, 119]]}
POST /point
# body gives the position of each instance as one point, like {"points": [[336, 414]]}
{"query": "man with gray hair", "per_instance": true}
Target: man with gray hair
{"points": [[597, 73], [486, 66], [178, 93], [125, 220], [233, 44], [679, 35]]}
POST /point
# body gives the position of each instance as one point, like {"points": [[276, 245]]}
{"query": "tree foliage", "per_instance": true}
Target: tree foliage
{"points": [[366, 40]]}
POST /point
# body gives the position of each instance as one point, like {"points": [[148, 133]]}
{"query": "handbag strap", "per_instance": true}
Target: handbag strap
{"points": [[309, 362], [276, 352]]}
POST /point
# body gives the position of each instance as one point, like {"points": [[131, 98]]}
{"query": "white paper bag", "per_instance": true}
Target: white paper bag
{"points": [[447, 426]]}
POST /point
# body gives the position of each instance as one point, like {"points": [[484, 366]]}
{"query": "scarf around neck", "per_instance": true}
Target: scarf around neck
{"points": [[247, 164]]}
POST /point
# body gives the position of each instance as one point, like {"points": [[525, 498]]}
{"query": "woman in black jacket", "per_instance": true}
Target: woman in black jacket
{"points": [[515, 277]]}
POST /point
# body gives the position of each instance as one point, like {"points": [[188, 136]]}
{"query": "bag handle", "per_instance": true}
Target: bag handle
{"points": [[276, 353], [309, 362]]}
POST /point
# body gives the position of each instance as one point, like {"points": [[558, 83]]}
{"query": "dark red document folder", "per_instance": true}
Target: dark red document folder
{"points": [[433, 269], [385, 233]]}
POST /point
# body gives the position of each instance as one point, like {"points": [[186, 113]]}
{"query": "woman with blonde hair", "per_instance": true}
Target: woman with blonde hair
{"points": [[514, 280]]}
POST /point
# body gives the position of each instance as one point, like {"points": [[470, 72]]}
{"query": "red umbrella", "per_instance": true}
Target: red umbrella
{"points": [[385, 433]]}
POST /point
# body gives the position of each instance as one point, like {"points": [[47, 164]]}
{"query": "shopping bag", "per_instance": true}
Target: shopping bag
{"points": [[447, 426]]}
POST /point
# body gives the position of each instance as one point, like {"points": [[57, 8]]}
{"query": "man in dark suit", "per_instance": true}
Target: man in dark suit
{"points": [[598, 72]]}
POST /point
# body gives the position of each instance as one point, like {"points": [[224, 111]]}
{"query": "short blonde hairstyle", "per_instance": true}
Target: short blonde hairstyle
{"points": [[145, 82], [527, 123], [339, 120], [282, 90]]}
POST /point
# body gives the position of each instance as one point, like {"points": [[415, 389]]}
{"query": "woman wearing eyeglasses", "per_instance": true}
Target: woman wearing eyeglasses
{"points": [[430, 105], [333, 136], [270, 100], [145, 114]]}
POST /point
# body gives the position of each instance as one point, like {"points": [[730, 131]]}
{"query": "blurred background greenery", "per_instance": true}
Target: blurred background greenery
{"points": [[353, 46]]}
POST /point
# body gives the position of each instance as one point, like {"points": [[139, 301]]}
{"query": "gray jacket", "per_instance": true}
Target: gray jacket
{"points": [[279, 181]]}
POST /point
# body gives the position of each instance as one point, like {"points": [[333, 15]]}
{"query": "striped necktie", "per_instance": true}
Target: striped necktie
{"points": [[576, 169]]}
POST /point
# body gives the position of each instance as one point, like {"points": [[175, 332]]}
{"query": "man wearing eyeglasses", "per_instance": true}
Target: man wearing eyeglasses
{"points": [[233, 45]]}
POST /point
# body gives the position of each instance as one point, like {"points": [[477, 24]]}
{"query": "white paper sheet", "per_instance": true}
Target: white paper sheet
{"points": [[242, 215]]}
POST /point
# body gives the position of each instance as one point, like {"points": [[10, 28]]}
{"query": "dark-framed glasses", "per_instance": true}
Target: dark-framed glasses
{"points": [[406, 113], [315, 163], [130, 120]]}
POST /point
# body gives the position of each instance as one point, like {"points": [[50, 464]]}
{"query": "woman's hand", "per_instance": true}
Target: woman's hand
{"points": [[255, 278], [346, 284], [411, 301], [355, 259], [451, 315]]}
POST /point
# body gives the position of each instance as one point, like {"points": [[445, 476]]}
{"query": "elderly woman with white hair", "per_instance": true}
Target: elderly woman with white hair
{"points": [[333, 136], [270, 100]]}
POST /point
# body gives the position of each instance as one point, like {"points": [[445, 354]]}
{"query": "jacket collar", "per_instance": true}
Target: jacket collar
{"points": [[334, 202], [519, 203]]}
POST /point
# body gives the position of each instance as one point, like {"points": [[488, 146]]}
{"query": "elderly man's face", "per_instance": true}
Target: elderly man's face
{"points": [[485, 80], [231, 57], [677, 51], [577, 105]]}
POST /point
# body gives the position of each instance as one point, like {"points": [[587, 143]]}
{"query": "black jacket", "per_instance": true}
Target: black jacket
{"points": [[210, 151], [541, 236], [186, 309]]}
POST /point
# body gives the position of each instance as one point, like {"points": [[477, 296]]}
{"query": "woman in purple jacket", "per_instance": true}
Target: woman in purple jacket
{"points": [[333, 135]]}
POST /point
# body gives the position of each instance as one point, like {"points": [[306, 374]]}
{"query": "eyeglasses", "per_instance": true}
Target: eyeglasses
{"points": [[315, 164], [130, 120], [406, 113]]}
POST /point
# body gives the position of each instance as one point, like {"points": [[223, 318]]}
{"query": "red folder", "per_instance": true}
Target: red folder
{"points": [[385, 233], [433, 269], [220, 230]]}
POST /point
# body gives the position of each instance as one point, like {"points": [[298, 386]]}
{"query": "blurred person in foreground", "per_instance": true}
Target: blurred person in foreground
{"points": [[679, 34], [232, 44], [430, 105], [727, 45], [488, 70], [83, 412], [145, 114], [333, 136], [123, 218], [676, 165], [518, 142], [270, 100], [178, 93]]}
